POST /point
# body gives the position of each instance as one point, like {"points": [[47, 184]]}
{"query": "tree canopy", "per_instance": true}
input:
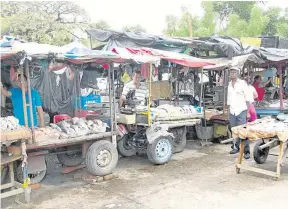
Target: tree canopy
{"points": [[52, 22], [233, 18], [60, 22]]}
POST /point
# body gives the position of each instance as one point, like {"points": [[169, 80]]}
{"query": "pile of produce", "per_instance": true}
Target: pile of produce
{"points": [[9, 123], [79, 127]]}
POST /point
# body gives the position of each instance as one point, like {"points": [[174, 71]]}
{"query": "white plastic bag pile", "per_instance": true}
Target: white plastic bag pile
{"points": [[80, 127], [9, 123]]}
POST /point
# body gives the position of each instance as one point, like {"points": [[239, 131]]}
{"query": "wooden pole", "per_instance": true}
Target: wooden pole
{"points": [[30, 100], [281, 86]]}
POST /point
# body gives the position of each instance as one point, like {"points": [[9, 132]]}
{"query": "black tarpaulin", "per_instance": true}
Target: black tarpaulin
{"points": [[135, 40]]}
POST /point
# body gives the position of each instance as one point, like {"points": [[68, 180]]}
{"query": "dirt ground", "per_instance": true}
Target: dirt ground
{"points": [[199, 177]]}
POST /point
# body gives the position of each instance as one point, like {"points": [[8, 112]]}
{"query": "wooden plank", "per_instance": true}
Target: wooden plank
{"points": [[257, 170], [8, 185], [227, 141], [12, 193], [269, 144], [68, 141], [15, 135], [5, 159]]}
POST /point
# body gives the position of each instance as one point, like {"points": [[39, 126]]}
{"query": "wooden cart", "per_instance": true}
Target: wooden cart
{"points": [[267, 139], [14, 187]]}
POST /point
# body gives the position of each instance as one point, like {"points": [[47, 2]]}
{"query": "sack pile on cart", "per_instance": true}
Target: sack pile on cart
{"points": [[171, 112], [79, 127], [9, 123]]}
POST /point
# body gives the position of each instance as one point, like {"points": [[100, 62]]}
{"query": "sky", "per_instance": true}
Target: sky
{"points": [[150, 14]]}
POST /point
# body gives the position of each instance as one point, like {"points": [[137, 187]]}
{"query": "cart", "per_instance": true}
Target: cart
{"points": [[158, 138], [98, 149], [269, 134]]}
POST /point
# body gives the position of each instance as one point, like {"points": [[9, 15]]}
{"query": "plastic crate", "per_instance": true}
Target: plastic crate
{"points": [[84, 101]]}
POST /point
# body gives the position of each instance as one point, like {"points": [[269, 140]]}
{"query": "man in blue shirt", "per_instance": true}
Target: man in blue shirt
{"points": [[15, 94]]}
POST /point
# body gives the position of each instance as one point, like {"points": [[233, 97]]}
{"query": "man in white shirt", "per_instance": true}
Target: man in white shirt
{"points": [[141, 91], [238, 101]]}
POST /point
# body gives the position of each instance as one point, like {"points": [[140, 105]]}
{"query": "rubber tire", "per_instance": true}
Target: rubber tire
{"points": [[34, 180], [122, 150], [260, 157], [4, 173], [179, 144], [91, 158], [151, 151], [67, 161]]}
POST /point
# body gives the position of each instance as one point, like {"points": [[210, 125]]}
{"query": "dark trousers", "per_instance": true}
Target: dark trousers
{"points": [[237, 121]]}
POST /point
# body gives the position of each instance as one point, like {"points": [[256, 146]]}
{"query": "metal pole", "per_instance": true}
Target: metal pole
{"points": [[110, 105], [201, 91], [90, 38], [224, 85], [149, 95], [281, 86], [113, 95], [24, 98], [30, 100]]}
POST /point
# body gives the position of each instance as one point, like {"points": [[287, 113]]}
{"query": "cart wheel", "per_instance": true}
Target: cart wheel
{"points": [[179, 142], [101, 158], [34, 177], [124, 148], [70, 159], [160, 151], [4, 173], [260, 156]]}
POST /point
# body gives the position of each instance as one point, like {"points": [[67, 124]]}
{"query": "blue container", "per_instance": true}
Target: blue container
{"points": [[90, 99]]}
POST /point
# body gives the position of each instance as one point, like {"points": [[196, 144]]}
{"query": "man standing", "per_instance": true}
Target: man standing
{"points": [[141, 91], [15, 95], [238, 102]]}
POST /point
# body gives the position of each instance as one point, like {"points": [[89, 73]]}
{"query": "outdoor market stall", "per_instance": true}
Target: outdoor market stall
{"points": [[152, 129], [73, 139], [270, 133]]}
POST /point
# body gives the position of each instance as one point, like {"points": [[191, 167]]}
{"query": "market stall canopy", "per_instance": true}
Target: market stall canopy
{"points": [[144, 54], [238, 61], [116, 39], [272, 54]]}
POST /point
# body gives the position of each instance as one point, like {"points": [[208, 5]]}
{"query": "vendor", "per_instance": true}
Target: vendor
{"points": [[140, 89], [260, 87], [15, 94]]}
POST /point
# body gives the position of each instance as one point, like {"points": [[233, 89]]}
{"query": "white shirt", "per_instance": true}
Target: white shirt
{"points": [[238, 96], [140, 93], [251, 92]]}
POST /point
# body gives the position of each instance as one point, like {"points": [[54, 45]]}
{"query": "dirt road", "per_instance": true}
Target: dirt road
{"points": [[196, 178]]}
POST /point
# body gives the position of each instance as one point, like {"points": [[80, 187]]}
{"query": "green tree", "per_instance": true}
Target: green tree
{"points": [[273, 13], [236, 26], [257, 23], [134, 28], [99, 25], [208, 21], [43, 22], [241, 8]]}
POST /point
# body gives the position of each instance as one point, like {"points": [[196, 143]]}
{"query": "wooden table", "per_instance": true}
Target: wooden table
{"points": [[258, 131], [16, 187]]}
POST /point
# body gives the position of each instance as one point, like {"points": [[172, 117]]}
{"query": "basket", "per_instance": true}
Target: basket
{"points": [[204, 133]]}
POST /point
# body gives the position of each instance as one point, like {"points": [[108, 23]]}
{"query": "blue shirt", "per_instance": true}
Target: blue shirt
{"points": [[17, 102]]}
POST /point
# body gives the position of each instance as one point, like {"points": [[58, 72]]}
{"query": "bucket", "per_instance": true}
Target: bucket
{"points": [[204, 133]]}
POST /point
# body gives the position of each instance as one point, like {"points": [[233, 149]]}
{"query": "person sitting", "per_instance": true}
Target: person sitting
{"points": [[260, 87], [15, 94], [141, 91]]}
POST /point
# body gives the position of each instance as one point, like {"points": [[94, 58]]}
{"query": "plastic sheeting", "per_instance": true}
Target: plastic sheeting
{"points": [[136, 40]]}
